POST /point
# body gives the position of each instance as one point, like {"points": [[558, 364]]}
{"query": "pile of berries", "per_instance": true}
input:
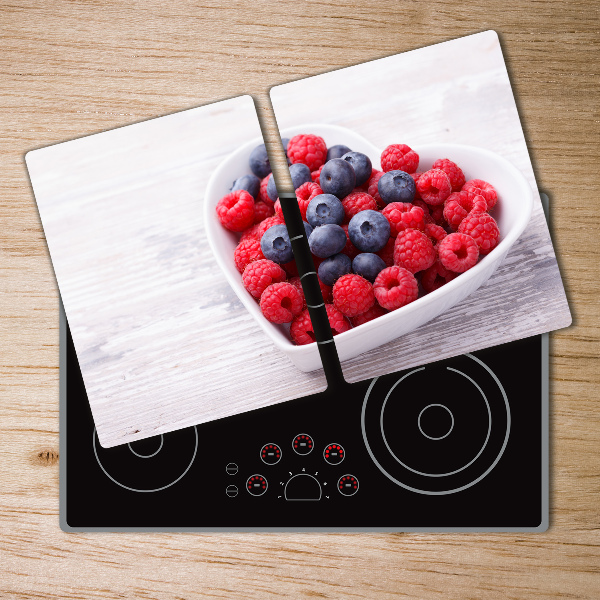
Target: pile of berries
{"points": [[379, 239]]}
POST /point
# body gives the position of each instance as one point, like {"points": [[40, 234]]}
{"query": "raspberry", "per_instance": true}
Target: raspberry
{"points": [[349, 249], [483, 229], [262, 211], [437, 215], [414, 251], [372, 190], [434, 186], [281, 302], [395, 287], [325, 290], [260, 274], [290, 268], [247, 250], [416, 177], [353, 295], [262, 194], [454, 172], [458, 252], [308, 149], [236, 210], [365, 186], [482, 188], [399, 157], [435, 232], [305, 193], [295, 281], [374, 312], [316, 175], [251, 232], [277, 208], [403, 215], [387, 252], [302, 331], [267, 224], [436, 276], [426, 216], [357, 202], [460, 204]]}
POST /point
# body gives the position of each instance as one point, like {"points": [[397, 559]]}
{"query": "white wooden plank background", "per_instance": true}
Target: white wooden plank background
{"points": [[458, 92], [162, 340]]}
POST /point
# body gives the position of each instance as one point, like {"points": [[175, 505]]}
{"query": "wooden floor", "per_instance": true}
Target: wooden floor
{"points": [[69, 68]]}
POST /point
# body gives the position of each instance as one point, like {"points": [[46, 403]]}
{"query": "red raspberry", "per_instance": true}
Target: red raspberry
{"points": [[482, 188], [436, 276], [260, 274], [356, 202], [262, 211], [374, 312], [305, 193], [483, 229], [387, 252], [437, 215], [325, 290], [458, 252], [416, 177], [454, 172], [302, 331], [434, 187], [399, 157], [426, 216], [316, 175], [349, 249], [251, 232], [247, 250], [236, 210], [365, 186], [353, 295], [295, 281], [414, 251], [281, 302], [372, 188], [277, 208], [403, 215], [308, 149], [395, 287], [262, 194], [460, 204], [435, 232], [267, 224], [290, 268]]}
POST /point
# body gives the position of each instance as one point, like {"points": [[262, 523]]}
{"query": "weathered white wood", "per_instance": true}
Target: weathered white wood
{"points": [[162, 340], [458, 92]]}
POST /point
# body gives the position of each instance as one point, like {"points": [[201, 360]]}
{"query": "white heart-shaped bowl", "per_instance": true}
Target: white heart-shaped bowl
{"points": [[512, 213]]}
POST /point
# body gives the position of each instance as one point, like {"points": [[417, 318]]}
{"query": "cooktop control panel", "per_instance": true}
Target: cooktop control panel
{"points": [[320, 477]]}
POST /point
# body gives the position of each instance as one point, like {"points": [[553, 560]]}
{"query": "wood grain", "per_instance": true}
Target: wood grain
{"points": [[70, 68]]}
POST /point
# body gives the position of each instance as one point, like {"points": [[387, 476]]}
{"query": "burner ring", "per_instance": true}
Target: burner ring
{"points": [[441, 437], [459, 488], [156, 489], [162, 441]]}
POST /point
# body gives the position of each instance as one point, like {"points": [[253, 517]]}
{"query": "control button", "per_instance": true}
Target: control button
{"points": [[348, 485], [270, 454], [231, 469], [303, 444], [256, 485], [302, 487], [232, 491], [334, 454]]}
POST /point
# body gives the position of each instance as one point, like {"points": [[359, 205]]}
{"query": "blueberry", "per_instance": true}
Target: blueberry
{"points": [[250, 183], [324, 209], [368, 265], [369, 231], [327, 240], [275, 244], [272, 189], [396, 186], [259, 161], [337, 151], [300, 174], [285, 142], [332, 268], [337, 178], [361, 164], [307, 229]]}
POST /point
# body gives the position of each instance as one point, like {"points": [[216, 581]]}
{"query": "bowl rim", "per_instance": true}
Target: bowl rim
{"points": [[503, 247]]}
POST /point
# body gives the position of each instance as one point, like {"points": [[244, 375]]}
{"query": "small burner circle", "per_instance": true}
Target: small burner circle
{"points": [[162, 441], [449, 413]]}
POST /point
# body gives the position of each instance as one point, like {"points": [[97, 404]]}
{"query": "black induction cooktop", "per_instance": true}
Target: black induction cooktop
{"points": [[461, 444]]}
